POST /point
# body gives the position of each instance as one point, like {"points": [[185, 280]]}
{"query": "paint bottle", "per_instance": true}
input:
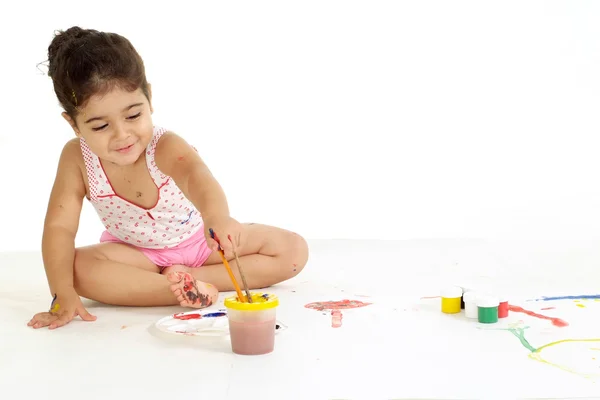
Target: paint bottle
{"points": [[487, 309], [462, 300], [503, 308], [451, 298], [470, 299]]}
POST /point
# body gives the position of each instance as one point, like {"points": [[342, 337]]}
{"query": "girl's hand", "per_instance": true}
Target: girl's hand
{"points": [[224, 227], [69, 306]]}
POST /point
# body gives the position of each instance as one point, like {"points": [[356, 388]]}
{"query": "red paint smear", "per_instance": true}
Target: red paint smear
{"points": [[180, 158], [555, 321], [548, 308], [336, 318], [336, 305], [187, 316]]}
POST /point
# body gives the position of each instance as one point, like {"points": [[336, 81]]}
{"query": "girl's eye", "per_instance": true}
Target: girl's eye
{"points": [[129, 118]]}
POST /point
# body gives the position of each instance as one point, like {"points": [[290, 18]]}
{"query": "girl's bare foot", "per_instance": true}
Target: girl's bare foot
{"points": [[190, 292]]}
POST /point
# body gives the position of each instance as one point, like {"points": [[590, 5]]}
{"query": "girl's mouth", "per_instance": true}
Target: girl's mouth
{"points": [[125, 149]]}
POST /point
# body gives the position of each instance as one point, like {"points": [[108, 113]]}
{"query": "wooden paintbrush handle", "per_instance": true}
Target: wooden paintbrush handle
{"points": [[232, 277]]}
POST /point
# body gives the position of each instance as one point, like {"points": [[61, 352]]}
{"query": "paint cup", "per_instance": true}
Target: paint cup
{"points": [[470, 299], [487, 309], [252, 325], [451, 299], [503, 308]]}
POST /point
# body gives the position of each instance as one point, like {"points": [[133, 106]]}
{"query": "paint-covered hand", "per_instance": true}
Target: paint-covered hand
{"points": [[227, 232], [69, 306]]}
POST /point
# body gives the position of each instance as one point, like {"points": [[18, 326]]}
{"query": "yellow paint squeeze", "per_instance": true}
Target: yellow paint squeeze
{"points": [[536, 355]]}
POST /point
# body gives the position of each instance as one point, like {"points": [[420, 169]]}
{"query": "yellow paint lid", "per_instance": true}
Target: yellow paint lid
{"points": [[260, 301]]}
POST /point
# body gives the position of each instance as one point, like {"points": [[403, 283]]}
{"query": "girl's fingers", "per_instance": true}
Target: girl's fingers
{"points": [[60, 321]]}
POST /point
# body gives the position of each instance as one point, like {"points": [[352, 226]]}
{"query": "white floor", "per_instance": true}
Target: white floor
{"points": [[400, 346]]}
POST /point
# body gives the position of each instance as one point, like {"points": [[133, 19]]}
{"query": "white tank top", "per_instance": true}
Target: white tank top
{"points": [[169, 222]]}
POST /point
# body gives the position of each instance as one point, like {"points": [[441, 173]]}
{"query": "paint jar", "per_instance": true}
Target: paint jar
{"points": [[487, 309], [470, 299], [462, 300], [451, 299], [503, 308], [252, 325]]}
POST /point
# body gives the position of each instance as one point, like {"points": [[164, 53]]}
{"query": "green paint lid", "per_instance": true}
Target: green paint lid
{"points": [[487, 301]]}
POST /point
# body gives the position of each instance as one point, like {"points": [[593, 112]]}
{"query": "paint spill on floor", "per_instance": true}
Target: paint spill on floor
{"points": [[336, 318], [536, 353], [335, 307], [572, 297], [555, 321]]}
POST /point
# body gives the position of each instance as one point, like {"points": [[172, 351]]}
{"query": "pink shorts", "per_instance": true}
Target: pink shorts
{"points": [[193, 252]]}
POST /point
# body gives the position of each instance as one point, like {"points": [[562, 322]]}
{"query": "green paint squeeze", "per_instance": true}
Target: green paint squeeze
{"points": [[520, 334]]}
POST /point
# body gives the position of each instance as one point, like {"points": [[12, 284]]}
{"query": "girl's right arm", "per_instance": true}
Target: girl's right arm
{"points": [[62, 220]]}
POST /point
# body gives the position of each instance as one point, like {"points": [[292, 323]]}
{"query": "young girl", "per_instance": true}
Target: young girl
{"points": [[152, 191]]}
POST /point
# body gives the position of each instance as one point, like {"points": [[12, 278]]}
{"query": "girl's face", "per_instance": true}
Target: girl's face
{"points": [[116, 126]]}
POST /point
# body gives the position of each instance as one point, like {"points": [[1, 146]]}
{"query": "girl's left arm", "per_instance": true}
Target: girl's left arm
{"points": [[177, 159]]}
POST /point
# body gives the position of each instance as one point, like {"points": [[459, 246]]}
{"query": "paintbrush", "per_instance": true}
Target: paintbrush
{"points": [[227, 267], [237, 261]]}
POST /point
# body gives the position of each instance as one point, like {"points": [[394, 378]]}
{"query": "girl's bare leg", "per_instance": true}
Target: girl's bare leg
{"points": [[118, 274], [270, 256]]}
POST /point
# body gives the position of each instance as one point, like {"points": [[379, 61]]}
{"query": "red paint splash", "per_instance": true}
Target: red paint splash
{"points": [[336, 318], [180, 158], [555, 321], [548, 308], [336, 305], [185, 317]]}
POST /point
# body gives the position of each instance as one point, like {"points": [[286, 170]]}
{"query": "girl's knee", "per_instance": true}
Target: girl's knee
{"points": [[296, 253]]}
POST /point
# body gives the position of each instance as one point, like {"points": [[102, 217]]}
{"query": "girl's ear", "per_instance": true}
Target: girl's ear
{"points": [[72, 123]]}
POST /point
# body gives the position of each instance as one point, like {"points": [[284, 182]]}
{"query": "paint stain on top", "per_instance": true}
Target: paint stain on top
{"points": [[580, 305]]}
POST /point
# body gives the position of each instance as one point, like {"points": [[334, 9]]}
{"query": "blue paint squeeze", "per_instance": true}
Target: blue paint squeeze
{"points": [[575, 297], [214, 315]]}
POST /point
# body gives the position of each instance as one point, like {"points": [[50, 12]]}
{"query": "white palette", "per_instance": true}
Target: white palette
{"points": [[210, 323]]}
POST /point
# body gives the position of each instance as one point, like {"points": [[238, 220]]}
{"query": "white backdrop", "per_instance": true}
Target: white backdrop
{"points": [[340, 119]]}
